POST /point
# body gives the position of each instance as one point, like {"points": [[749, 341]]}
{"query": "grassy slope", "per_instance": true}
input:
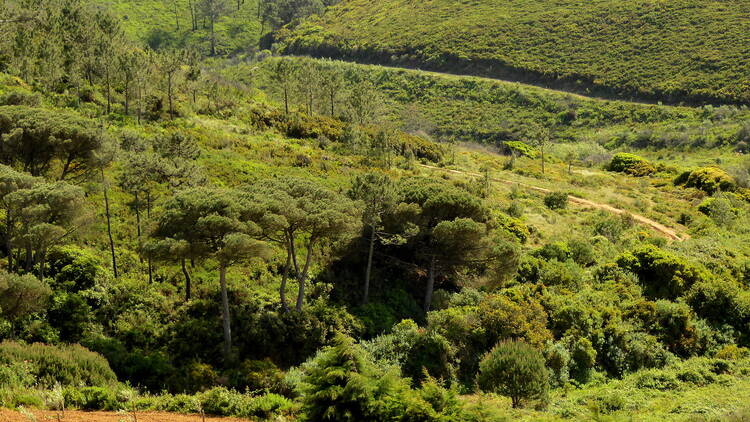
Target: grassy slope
{"points": [[662, 49], [238, 31], [489, 111]]}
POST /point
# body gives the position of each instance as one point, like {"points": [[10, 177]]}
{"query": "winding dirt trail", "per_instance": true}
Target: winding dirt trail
{"points": [[667, 232]]}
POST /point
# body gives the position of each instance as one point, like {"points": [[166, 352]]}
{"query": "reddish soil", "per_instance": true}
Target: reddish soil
{"points": [[77, 416]]}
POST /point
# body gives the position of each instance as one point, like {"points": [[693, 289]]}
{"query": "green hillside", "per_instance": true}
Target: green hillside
{"points": [[290, 239], [668, 50], [160, 24]]}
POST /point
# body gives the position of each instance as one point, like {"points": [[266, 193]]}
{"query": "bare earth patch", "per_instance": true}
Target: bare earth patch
{"points": [[78, 416]]}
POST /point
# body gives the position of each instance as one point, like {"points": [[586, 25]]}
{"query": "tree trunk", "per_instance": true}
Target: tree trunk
{"points": [[109, 224], [176, 14], [430, 286], [302, 278], [366, 293], [8, 237], [193, 19], [225, 311], [284, 277], [286, 100], [187, 280], [213, 37], [127, 97], [109, 94], [169, 96]]}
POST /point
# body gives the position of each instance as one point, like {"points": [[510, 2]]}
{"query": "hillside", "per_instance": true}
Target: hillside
{"points": [[691, 51], [180, 24], [285, 238]]}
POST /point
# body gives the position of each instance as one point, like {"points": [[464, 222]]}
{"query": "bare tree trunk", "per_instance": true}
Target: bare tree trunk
{"points": [[187, 280], [302, 278], [430, 286], [127, 97], [366, 295], [109, 93], [109, 223], [213, 37], [169, 95], [176, 14], [193, 19], [284, 277], [225, 311], [286, 100]]}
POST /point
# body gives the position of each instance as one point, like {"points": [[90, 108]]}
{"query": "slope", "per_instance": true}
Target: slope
{"points": [[673, 51]]}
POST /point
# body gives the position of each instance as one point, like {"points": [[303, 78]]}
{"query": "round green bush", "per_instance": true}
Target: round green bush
{"points": [[514, 369], [631, 164], [556, 200]]}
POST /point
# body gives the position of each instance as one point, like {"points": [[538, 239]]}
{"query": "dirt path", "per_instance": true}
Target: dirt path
{"points": [[77, 416], [667, 232]]}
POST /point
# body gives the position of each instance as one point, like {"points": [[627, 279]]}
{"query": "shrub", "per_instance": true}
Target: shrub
{"points": [[556, 200], [64, 365], [661, 273], [520, 148], [554, 250], [707, 179], [514, 369], [582, 359], [341, 384], [503, 318], [21, 295], [631, 164], [656, 379], [91, 398]]}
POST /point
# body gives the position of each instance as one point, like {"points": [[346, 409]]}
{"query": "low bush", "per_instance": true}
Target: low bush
{"points": [[65, 365], [514, 369], [631, 164], [556, 200], [707, 179]]}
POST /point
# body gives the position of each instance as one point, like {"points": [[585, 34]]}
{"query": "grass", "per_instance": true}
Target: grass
{"points": [[155, 22], [672, 51], [476, 109]]}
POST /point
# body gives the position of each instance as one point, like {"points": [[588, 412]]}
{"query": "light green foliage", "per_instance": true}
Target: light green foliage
{"points": [[514, 369], [577, 46], [631, 164], [663, 274], [51, 365], [707, 179]]}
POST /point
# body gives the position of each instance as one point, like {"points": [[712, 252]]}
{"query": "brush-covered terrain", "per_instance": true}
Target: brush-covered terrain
{"points": [[236, 233], [691, 51]]}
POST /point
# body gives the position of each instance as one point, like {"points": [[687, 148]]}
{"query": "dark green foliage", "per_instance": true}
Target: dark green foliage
{"points": [[556, 200], [64, 365], [631, 164], [662, 274], [340, 384], [73, 269], [44, 142], [514, 369], [21, 295]]}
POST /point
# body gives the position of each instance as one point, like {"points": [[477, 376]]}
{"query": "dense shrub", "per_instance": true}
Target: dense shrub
{"points": [[341, 384], [556, 200], [514, 369], [631, 164], [662, 274], [504, 318], [707, 179], [64, 365]]}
